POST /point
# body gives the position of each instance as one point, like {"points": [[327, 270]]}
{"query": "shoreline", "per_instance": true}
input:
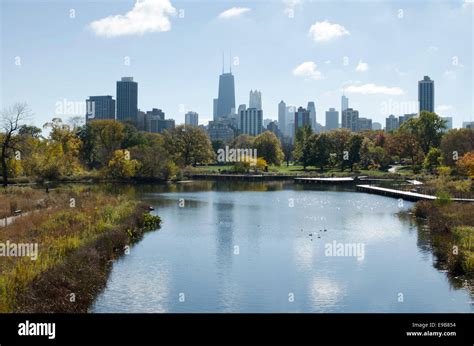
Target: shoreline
{"points": [[76, 249]]}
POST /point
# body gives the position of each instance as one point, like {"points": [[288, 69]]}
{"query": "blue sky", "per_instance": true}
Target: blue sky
{"points": [[175, 52]]}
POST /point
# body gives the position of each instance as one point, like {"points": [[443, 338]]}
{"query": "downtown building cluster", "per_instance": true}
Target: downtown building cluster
{"points": [[230, 121]]}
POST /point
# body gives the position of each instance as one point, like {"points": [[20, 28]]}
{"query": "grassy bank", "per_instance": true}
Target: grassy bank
{"points": [[452, 225], [79, 233]]}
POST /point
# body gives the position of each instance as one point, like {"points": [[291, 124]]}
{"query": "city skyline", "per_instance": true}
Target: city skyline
{"points": [[318, 73]]}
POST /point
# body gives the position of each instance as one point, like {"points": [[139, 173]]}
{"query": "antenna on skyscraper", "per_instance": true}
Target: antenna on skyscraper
{"points": [[222, 62], [230, 61]]}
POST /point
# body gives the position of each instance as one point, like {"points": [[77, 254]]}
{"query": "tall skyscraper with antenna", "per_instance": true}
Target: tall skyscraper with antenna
{"points": [[226, 93]]}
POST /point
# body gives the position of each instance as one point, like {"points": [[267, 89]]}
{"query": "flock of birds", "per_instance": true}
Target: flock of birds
{"points": [[319, 235]]}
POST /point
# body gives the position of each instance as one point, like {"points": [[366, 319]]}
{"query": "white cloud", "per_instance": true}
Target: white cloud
{"points": [[466, 3], [146, 16], [327, 62], [370, 88], [290, 6], [450, 74], [325, 31], [433, 49], [308, 70], [362, 66], [400, 73], [233, 12], [442, 109]]}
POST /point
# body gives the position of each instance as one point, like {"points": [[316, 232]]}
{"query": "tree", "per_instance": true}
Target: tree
{"points": [[268, 146], [132, 136], [121, 166], [100, 140], [189, 145], [465, 164], [432, 159], [301, 154], [28, 130], [340, 143], [70, 143], [287, 147], [320, 149], [405, 145], [242, 142], [355, 143], [455, 143], [155, 161], [428, 129], [366, 146], [11, 124]]}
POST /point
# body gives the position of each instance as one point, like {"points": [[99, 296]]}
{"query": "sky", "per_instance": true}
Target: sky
{"points": [[55, 54]]}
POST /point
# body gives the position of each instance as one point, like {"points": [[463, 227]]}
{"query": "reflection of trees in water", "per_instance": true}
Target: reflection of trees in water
{"points": [[440, 244]]}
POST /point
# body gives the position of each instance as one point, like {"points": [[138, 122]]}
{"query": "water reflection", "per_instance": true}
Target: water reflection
{"points": [[245, 247]]}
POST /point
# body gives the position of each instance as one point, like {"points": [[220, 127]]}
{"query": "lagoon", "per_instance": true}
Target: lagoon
{"points": [[262, 247]]}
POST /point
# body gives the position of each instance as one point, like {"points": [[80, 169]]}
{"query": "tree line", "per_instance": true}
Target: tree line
{"points": [[114, 149]]}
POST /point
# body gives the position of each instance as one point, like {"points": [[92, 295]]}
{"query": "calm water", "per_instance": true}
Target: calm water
{"points": [[246, 247]]}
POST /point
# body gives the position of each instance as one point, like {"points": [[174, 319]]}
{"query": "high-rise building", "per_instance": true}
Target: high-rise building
{"points": [[255, 99], [426, 94], [214, 108], [156, 113], [405, 117], [127, 100], [302, 118], [100, 108], [219, 131], [468, 124], [332, 119], [191, 119], [226, 95], [251, 120], [312, 115], [344, 103], [391, 123], [350, 119], [282, 116], [141, 120], [364, 124], [273, 127]]}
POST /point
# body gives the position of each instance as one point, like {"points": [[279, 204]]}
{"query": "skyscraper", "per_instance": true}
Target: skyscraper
{"points": [[350, 119], [344, 103], [364, 124], [100, 108], [127, 99], [226, 94], [332, 119], [282, 116], [302, 118], [214, 108], [191, 119], [391, 123], [251, 120], [312, 115], [426, 94], [255, 99]]}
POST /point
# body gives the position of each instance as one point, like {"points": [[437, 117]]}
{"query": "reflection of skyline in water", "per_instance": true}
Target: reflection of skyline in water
{"points": [[277, 256]]}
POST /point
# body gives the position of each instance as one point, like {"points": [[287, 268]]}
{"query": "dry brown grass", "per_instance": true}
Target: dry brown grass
{"points": [[75, 246]]}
